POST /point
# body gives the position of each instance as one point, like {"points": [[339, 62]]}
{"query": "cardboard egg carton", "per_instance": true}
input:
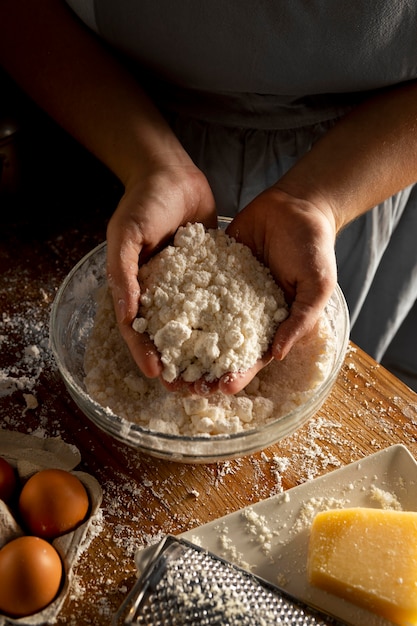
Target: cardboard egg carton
{"points": [[29, 454]]}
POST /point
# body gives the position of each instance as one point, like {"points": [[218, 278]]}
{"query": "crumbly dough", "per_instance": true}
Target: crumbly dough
{"points": [[208, 304], [114, 381]]}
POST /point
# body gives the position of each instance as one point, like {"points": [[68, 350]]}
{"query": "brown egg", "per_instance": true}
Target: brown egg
{"points": [[52, 503], [8, 480], [30, 575]]}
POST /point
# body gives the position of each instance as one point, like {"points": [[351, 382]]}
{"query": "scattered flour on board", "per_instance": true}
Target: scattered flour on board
{"points": [[208, 304], [26, 356], [24, 372]]}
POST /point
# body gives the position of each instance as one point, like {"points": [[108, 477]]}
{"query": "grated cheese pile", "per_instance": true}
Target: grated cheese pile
{"points": [[208, 305]]}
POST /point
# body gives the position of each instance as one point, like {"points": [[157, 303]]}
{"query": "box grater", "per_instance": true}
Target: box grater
{"points": [[185, 585]]}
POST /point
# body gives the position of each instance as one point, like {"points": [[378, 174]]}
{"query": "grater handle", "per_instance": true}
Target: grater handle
{"points": [[127, 612]]}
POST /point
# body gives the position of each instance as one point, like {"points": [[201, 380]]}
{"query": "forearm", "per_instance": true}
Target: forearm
{"points": [[369, 155], [70, 75]]}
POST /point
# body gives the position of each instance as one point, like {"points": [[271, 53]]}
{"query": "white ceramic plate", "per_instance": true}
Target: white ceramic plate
{"points": [[271, 537]]}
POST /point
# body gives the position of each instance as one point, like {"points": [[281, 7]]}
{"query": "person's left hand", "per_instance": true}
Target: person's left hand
{"points": [[295, 239]]}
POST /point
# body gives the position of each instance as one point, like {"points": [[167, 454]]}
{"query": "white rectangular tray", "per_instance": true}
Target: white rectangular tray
{"points": [[270, 538]]}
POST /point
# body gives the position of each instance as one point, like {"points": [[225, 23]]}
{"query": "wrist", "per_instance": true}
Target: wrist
{"points": [[309, 201], [148, 152]]}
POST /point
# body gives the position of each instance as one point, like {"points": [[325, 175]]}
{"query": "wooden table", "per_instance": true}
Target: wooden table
{"points": [[145, 498]]}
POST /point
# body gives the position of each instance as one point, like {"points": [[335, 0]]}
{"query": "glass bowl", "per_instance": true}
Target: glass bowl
{"points": [[72, 319]]}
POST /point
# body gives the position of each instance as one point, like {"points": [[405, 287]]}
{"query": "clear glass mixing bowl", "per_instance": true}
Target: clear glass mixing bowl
{"points": [[72, 318]]}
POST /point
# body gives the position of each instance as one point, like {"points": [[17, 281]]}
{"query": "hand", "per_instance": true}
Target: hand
{"points": [[149, 213], [295, 239]]}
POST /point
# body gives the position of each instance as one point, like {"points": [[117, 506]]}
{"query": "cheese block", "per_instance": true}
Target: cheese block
{"points": [[368, 557]]}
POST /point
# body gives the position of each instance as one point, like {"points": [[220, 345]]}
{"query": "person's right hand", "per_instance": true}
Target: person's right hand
{"points": [[152, 208]]}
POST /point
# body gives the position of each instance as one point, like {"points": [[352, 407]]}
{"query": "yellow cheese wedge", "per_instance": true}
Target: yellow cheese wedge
{"points": [[368, 557]]}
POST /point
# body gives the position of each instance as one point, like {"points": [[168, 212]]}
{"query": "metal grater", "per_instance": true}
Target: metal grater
{"points": [[185, 585]]}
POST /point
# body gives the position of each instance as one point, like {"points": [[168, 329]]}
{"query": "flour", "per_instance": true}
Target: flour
{"points": [[208, 305], [25, 357], [114, 381], [385, 499]]}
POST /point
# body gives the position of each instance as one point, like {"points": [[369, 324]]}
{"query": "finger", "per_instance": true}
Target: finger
{"points": [[300, 322], [122, 273], [143, 351], [126, 294], [122, 277], [233, 382]]}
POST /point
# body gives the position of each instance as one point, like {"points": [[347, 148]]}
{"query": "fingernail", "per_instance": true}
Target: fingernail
{"points": [[277, 352], [121, 311]]}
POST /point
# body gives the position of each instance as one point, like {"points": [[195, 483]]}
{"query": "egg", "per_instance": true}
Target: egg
{"points": [[30, 572], [8, 480], [52, 503]]}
